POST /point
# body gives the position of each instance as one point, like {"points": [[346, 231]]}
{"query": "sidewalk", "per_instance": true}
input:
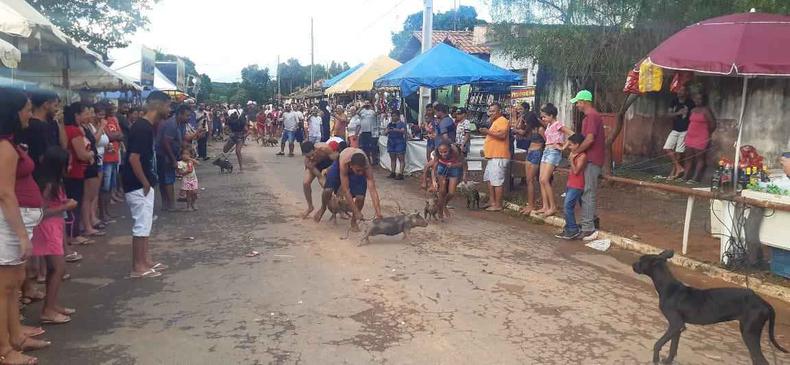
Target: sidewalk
{"points": [[646, 220]]}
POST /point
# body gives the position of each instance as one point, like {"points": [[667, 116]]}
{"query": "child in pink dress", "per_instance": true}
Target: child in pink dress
{"points": [[48, 235], [189, 181]]}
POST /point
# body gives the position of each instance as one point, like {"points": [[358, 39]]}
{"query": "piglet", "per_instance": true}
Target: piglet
{"points": [[391, 226], [432, 207], [337, 205]]}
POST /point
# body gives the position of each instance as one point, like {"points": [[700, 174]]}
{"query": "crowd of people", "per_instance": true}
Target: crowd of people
{"points": [[71, 163], [66, 166]]}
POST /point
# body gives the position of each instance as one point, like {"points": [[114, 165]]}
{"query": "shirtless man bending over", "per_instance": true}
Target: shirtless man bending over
{"points": [[317, 158], [351, 176]]}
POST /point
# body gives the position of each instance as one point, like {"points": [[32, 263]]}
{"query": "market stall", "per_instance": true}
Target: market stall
{"points": [[737, 45], [340, 76], [362, 79], [52, 59]]}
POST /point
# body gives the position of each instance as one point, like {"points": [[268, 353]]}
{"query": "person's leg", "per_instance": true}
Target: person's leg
{"points": [[699, 168], [452, 183], [551, 202], [691, 156], [238, 156], [402, 159], [571, 198], [202, 148], [171, 196], [51, 309], [326, 194], [291, 145], [307, 187], [139, 252], [499, 192], [9, 316], [393, 164], [442, 195], [532, 181], [591, 174], [86, 213], [545, 187]]}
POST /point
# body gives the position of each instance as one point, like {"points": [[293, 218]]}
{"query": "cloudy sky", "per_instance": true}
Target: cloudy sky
{"points": [[222, 37]]}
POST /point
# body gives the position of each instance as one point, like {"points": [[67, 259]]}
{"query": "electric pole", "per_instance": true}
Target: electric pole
{"points": [[279, 97], [312, 53], [427, 42]]}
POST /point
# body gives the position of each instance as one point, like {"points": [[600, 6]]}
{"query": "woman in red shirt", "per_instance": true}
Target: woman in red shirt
{"points": [[20, 212], [81, 157]]}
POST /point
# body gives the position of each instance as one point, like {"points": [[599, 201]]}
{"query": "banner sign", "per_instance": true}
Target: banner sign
{"points": [[147, 66]]}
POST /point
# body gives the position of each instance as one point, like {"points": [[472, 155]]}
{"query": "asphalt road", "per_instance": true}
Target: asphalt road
{"points": [[480, 289]]}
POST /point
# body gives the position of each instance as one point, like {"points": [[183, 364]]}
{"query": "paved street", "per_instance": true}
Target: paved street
{"points": [[482, 289]]}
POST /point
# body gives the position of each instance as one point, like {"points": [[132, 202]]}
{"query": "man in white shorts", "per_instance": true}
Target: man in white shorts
{"points": [[139, 179], [497, 152], [679, 111]]}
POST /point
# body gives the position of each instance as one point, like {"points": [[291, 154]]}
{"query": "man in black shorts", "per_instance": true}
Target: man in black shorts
{"points": [[317, 158], [238, 133]]}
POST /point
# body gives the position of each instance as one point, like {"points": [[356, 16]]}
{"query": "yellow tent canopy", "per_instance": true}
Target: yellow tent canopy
{"points": [[362, 79]]}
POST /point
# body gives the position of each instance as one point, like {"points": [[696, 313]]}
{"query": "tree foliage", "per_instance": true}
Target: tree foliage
{"points": [[596, 42], [465, 18], [294, 75], [257, 83], [101, 24]]}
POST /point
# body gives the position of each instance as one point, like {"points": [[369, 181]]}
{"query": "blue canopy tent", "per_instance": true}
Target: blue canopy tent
{"points": [[340, 76], [441, 66]]}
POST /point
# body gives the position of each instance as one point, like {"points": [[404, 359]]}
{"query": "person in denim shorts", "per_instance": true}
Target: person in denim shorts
{"points": [[529, 136], [447, 172], [555, 135]]}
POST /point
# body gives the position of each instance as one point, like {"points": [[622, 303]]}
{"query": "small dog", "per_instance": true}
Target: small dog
{"points": [[224, 165], [272, 142], [681, 304], [432, 207]]}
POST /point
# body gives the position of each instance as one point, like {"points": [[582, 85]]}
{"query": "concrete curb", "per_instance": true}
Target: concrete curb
{"points": [[773, 290]]}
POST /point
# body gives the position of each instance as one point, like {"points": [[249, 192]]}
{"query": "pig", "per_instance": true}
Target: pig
{"points": [[338, 205], [224, 165], [432, 207], [390, 226]]}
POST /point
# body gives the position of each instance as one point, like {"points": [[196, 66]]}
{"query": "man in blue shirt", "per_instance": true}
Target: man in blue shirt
{"points": [[447, 129], [168, 149]]}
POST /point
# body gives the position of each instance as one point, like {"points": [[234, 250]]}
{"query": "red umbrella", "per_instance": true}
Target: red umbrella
{"points": [[745, 44]]}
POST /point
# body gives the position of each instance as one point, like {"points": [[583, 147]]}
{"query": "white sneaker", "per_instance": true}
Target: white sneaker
{"points": [[591, 237]]}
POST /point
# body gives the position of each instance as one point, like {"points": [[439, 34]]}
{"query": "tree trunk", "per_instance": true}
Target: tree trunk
{"points": [[607, 167]]}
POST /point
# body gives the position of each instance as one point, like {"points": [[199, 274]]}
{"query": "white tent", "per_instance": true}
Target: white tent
{"points": [[51, 58]]}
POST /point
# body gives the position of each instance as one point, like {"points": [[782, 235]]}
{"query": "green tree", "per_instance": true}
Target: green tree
{"points": [[206, 89], [257, 83], [102, 24], [465, 18]]}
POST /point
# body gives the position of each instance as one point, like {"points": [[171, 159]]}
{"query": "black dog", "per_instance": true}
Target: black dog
{"points": [[224, 165], [681, 304]]}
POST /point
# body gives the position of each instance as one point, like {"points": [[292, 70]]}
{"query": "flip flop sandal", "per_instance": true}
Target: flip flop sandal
{"points": [[73, 257], [65, 277], [151, 273], [63, 319], [22, 346], [160, 266], [68, 311], [100, 225], [81, 242], [37, 332]]}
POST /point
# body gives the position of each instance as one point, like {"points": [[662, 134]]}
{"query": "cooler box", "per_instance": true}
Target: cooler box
{"points": [[780, 262]]}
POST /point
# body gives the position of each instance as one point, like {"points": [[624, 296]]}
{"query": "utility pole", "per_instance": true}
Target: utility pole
{"points": [[279, 98], [427, 42], [312, 53]]}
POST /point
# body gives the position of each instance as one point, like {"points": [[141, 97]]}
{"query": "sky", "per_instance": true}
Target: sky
{"points": [[222, 37]]}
